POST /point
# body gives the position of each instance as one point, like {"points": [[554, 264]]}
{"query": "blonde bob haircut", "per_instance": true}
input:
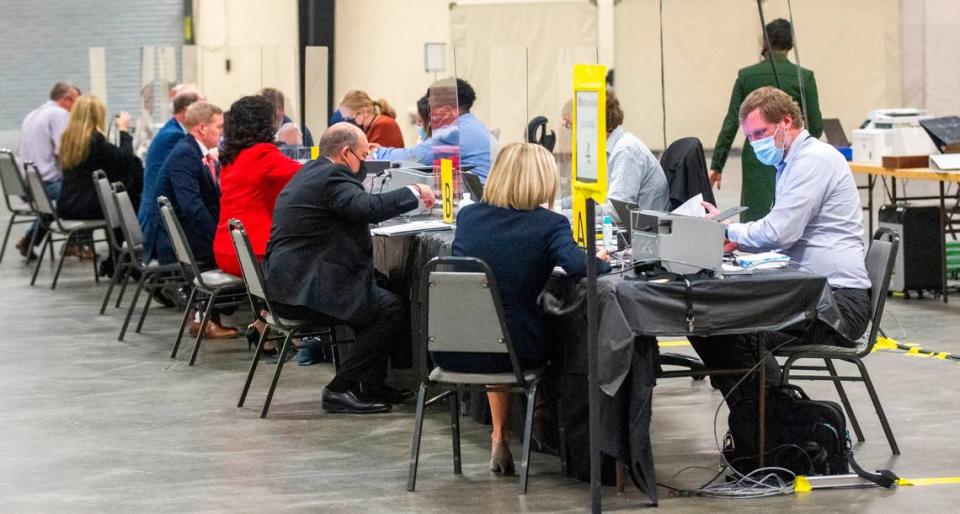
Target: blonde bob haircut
{"points": [[523, 177], [87, 116]]}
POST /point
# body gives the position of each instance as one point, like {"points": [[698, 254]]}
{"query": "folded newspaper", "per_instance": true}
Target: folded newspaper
{"points": [[412, 227]]}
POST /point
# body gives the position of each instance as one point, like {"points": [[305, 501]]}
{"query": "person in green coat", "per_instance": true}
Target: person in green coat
{"points": [[759, 181]]}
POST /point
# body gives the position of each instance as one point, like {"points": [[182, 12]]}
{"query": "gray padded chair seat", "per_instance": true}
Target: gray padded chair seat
{"points": [[82, 224], [453, 377], [822, 349], [217, 278]]}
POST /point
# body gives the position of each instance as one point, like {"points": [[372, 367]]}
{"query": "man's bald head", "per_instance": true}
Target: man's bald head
{"points": [[338, 136], [344, 143]]}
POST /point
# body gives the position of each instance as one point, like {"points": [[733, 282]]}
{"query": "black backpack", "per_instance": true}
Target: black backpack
{"points": [[807, 437]]}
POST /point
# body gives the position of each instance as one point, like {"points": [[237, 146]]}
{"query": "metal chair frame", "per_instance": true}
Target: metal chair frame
{"points": [[152, 275], [59, 227], [519, 383], [13, 184], [855, 356], [200, 292], [287, 329]]}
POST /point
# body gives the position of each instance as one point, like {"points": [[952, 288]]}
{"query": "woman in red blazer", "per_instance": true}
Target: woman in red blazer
{"points": [[253, 173]]}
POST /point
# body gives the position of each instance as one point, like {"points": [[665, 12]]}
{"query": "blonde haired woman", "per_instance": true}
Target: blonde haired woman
{"points": [[375, 118], [522, 241], [84, 149]]}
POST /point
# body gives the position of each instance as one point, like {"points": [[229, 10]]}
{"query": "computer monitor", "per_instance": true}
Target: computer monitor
{"points": [[623, 212]]}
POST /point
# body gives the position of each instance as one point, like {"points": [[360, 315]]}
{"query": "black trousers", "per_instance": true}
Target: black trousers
{"points": [[366, 359], [742, 351]]}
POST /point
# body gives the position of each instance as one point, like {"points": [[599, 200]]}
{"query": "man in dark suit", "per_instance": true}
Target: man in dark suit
{"points": [[168, 136], [189, 177], [319, 265]]}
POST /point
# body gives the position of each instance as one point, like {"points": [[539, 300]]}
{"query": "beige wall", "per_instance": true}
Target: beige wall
{"points": [[853, 47], [259, 38], [379, 49]]}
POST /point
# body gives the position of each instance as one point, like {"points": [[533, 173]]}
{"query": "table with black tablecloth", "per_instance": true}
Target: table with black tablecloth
{"points": [[632, 314]]}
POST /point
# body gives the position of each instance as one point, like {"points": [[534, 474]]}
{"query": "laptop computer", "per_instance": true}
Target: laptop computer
{"points": [[473, 183], [943, 131], [623, 213], [834, 132]]}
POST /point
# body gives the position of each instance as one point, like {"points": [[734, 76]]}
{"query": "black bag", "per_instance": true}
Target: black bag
{"points": [[808, 437]]}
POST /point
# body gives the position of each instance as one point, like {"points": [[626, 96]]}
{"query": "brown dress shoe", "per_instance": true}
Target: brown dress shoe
{"points": [[23, 246], [214, 330]]}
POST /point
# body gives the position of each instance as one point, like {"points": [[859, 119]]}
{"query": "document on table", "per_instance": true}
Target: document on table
{"points": [[413, 227]]}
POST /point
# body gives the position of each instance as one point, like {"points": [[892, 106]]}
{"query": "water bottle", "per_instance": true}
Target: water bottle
{"points": [[609, 239]]}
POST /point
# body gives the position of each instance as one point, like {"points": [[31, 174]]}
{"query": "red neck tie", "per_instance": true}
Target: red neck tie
{"points": [[212, 166]]}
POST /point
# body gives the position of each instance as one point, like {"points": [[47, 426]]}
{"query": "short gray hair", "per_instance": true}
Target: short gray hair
{"points": [[62, 89], [336, 137]]}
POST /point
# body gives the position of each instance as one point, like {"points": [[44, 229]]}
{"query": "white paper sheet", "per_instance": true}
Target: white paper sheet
{"points": [[412, 227], [692, 207]]}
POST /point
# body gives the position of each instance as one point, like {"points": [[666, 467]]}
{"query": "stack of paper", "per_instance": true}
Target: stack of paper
{"points": [[765, 260], [413, 227]]}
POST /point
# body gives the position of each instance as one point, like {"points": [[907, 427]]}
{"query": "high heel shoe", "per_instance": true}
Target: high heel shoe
{"points": [[253, 337], [501, 461]]}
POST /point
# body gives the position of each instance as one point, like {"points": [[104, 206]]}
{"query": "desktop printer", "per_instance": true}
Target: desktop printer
{"points": [[677, 243], [399, 175], [891, 132]]}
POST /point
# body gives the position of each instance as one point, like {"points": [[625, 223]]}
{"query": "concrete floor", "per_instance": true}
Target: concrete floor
{"points": [[90, 424]]}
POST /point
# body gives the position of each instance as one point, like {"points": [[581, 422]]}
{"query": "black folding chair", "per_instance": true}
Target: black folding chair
{"points": [[473, 300], [287, 328], [69, 231], [152, 275], [16, 194], [879, 263], [209, 288], [118, 250]]}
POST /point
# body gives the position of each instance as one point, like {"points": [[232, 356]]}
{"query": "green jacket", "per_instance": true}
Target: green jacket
{"points": [[759, 180]]}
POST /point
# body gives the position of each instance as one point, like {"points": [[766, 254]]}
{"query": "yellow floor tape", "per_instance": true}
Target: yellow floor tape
{"points": [[929, 481]]}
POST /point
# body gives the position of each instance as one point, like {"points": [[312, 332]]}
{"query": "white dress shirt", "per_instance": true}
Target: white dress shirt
{"points": [[816, 219]]}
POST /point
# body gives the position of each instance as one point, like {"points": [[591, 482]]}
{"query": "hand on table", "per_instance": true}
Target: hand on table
{"points": [[602, 254], [426, 195], [729, 246]]}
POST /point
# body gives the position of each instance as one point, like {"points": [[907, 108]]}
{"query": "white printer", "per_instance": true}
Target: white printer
{"points": [[891, 132]]}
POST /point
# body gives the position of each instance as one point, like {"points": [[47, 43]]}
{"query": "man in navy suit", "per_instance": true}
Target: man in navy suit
{"points": [[168, 136], [189, 178]]}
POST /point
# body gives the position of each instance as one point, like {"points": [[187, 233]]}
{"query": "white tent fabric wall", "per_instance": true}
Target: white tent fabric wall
{"points": [[553, 33], [852, 47], [931, 64]]}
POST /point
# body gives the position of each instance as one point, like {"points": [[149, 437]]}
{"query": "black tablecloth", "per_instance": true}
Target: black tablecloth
{"points": [[632, 313]]}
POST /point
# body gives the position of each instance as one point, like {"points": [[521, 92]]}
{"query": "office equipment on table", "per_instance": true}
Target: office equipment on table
{"points": [[473, 184], [393, 178], [837, 138], [412, 227], [944, 132], [677, 243], [945, 162], [891, 132], [918, 265]]}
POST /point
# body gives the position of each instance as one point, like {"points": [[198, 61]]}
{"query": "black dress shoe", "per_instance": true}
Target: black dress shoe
{"points": [[351, 402], [385, 393]]}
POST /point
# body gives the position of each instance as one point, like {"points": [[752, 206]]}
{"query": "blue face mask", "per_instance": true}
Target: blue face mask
{"points": [[422, 133], [767, 151]]}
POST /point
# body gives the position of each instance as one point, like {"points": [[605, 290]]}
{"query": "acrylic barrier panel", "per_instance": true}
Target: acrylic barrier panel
{"points": [[316, 87], [158, 76], [508, 112], [279, 70], [227, 73], [445, 127], [562, 109]]}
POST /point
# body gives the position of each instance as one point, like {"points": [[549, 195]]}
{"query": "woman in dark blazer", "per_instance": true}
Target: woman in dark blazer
{"points": [[521, 241], [84, 149]]}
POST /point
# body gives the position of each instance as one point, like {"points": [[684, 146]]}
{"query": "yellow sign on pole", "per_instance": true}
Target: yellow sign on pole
{"points": [[589, 167], [446, 189]]}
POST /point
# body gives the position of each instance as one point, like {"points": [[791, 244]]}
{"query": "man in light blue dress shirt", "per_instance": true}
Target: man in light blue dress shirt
{"points": [[816, 220], [40, 143], [477, 145]]}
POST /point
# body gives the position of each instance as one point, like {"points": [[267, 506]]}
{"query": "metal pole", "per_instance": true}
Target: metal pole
{"points": [[766, 39], [593, 316]]}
